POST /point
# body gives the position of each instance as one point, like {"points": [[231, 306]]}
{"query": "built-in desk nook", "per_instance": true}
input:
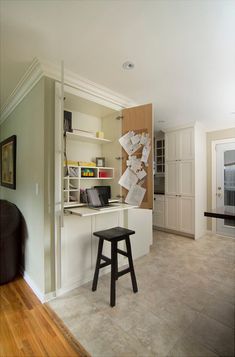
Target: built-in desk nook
{"points": [[89, 154]]}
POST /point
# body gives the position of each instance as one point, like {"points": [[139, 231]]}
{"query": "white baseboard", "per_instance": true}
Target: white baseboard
{"points": [[40, 295], [34, 287]]}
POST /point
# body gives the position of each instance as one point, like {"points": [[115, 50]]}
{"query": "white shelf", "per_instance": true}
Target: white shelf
{"points": [[89, 139]]}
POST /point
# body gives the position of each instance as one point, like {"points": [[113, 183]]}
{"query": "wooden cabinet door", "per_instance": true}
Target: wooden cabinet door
{"points": [[171, 178], [186, 178], [186, 144], [140, 119], [186, 214], [171, 212]]}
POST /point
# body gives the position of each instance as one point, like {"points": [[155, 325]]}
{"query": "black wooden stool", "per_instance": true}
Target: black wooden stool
{"points": [[114, 235]]}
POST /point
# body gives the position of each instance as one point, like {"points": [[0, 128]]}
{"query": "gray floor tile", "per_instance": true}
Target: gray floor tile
{"points": [[213, 334], [184, 307]]}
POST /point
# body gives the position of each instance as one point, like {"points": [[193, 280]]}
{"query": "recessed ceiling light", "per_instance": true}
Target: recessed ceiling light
{"points": [[128, 65]]}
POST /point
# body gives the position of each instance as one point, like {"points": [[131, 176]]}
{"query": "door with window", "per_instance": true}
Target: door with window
{"points": [[225, 185]]}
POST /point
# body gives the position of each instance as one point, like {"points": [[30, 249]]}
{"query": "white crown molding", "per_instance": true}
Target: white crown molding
{"points": [[39, 68], [27, 82]]}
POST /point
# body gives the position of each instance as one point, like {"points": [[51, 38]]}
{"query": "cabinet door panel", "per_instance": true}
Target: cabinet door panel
{"points": [[159, 211], [140, 119], [186, 178], [171, 178], [171, 146], [140, 220], [186, 144], [75, 250], [171, 212], [186, 214]]}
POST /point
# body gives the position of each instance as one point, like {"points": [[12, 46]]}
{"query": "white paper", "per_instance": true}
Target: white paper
{"points": [[145, 153], [135, 195], [144, 138], [141, 174], [135, 139], [134, 163], [128, 179], [126, 143]]}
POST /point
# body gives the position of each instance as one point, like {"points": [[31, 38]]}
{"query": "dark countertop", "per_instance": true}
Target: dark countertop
{"points": [[158, 193], [225, 212]]}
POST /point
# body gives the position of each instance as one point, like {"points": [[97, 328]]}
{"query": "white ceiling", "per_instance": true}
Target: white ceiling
{"points": [[184, 51]]}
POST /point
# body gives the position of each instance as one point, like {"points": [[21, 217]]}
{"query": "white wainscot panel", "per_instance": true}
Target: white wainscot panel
{"points": [[140, 220], [75, 251]]}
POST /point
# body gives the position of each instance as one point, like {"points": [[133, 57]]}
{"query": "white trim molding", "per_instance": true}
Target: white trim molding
{"points": [[40, 295], [213, 174], [39, 68]]}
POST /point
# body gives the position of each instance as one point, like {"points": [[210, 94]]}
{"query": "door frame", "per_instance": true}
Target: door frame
{"points": [[213, 174]]}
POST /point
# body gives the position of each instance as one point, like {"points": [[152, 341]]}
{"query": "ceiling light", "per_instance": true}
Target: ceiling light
{"points": [[128, 65]]}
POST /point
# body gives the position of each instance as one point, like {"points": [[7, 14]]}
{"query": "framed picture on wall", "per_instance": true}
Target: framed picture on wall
{"points": [[100, 162], [8, 162]]}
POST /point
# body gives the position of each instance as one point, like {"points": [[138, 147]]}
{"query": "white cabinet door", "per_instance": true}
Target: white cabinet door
{"points": [[171, 146], [75, 251], [179, 145], [140, 221], [159, 211], [171, 178], [186, 214], [186, 144], [171, 212], [186, 178]]}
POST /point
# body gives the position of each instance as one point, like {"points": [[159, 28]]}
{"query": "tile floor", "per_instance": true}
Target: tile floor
{"points": [[184, 307]]}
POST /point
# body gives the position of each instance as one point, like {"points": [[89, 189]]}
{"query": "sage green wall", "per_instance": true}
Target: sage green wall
{"points": [[27, 123], [212, 136]]}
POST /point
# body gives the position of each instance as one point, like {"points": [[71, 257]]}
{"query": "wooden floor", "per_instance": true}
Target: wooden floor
{"points": [[29, 328]]}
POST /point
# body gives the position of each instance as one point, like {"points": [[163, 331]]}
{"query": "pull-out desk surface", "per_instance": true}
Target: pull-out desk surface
{"points": [[86, 211]]}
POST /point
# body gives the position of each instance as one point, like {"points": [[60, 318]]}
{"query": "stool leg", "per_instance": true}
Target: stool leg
{"points": [[113, 273], [116, 263], [97, 267], [131, 266]]}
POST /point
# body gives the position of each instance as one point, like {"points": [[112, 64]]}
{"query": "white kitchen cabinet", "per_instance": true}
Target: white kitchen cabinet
{"points": [[159, 211], [171, 178], [171, 213], [179, 145], [172, 149], [186, 144], [179, 214], [185, 210], [179, 178], [185, 180]]}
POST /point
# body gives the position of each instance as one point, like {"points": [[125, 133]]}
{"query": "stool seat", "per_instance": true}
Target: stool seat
{"points": [[114, 235]]}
